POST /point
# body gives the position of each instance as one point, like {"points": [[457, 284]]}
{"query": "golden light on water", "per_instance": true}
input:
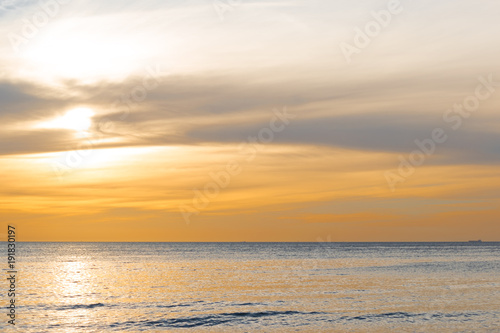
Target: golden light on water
{"points": [[73, 280]]}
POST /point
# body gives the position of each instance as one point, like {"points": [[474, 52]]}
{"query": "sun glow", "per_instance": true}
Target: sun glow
{"points": [[89, 50], [77, 120]]}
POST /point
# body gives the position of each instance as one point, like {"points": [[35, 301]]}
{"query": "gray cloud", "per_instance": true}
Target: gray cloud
{"points": [[35, 141], [369, 114], [385, 132]]}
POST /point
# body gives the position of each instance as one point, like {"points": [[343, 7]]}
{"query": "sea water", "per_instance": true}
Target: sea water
{"points": [[256, 287]]}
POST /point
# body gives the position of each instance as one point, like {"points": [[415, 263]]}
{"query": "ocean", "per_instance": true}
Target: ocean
{"points": [[256, 287]]}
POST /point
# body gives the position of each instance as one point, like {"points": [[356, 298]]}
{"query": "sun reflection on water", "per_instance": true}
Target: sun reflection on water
{"points": [[74, 298]]}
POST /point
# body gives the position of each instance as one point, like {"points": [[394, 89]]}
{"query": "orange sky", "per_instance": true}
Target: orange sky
{"points": [[181, 125]]}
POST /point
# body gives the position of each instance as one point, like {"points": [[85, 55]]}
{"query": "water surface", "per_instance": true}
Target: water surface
{"points": [[258, 287]]}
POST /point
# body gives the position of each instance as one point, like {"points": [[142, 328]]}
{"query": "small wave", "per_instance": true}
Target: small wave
{"points": [[408, 315], [210, 320], [249, 304], [397, 315], [80, 306], [171, 306]]}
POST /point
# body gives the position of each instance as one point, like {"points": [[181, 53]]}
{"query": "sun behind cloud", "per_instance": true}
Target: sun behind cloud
{"points": [[79, 119]]}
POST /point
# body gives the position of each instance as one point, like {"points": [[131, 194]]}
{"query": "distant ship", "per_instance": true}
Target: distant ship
{"points": [[475, 241]]}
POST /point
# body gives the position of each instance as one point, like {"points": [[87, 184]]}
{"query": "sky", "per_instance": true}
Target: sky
{"points": [[243, 120]]}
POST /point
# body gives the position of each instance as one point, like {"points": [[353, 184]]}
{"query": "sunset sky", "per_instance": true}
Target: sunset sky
{"points": [[250, 120]]}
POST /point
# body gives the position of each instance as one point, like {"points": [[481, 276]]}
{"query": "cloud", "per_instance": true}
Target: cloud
{"points": [[35, 141], [13, 5], [382, 132], [206, 108], [14, 99]]}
